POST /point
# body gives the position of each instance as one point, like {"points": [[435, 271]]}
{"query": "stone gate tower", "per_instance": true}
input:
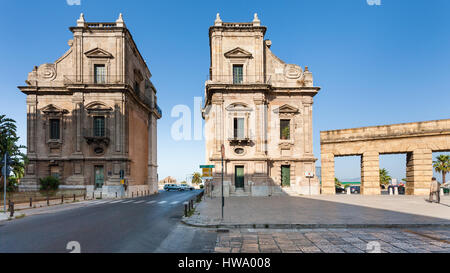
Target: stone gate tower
{"points": [[92, 114], [260, 109]]}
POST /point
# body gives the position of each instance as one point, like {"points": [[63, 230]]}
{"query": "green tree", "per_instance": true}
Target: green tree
{"points": [[442, 165], [384, 177], [337, 183], [8, 143], [196, 178]]}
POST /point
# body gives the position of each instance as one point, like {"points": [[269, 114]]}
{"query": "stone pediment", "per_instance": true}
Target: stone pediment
{"points": [[98, 53], [238, 53], [238, 107], [286, 108], [98, 106], [52, 109]]}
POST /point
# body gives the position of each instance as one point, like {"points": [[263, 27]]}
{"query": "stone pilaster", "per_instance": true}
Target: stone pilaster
{"points": [[419, 171], [370, 173], [327, 162]]}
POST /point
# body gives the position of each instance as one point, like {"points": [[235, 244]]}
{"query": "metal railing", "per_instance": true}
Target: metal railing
{"points": [[239, 80], [96, 133]]}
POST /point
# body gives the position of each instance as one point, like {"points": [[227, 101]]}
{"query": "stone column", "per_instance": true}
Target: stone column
{"points": [[327, 162], [77, 120], [152, 179], [419, 171], [307, 125], [370, 173]]}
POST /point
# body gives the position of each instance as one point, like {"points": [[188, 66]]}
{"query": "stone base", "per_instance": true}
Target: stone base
{"points": [[29, 183]]}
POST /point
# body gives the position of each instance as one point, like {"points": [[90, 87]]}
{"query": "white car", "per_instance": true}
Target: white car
{"points": [[186, 187]]}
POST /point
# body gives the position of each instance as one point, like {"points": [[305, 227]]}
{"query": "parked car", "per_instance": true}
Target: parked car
{"points": [[186, 187], [355, 189], [170, 187], [340, 190]]}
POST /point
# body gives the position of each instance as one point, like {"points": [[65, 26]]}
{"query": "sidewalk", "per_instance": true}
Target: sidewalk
{"points": [[55, 206], [322, 211]]}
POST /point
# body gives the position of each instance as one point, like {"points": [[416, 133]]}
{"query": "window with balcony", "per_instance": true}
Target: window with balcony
{"points": [[99, 73], [285, 129], [54, 129], [238, 74], [99, 126], [238, 128]]}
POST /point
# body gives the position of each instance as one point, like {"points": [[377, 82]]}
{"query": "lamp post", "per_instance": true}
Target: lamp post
{"points": [[222, 148]]}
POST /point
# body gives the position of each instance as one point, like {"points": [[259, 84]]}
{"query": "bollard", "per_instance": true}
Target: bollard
{"points": [[395, 190], [31, 202], [348, 190], [48, 201], [93, 195], [441, 192], [84, 196], [132, 194], [390, 191], [11, 209], [185, 210], [62, 198], [116, 194], [74, 197]]}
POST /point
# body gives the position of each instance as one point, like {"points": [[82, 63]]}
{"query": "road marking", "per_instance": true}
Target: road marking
{"points": [[118, 201], [174, 202], [151, 202], [162, 202], [128, 202], [137, 202]]}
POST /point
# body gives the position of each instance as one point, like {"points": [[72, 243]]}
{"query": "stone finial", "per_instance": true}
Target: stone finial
{"points": [[218, 21], [119, 21], [256, 21], [80, 21], [306, 68]]}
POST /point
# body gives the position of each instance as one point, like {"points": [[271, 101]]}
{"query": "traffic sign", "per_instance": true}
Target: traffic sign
{"points": [[309, 174], [206, 172], [207, 166]]}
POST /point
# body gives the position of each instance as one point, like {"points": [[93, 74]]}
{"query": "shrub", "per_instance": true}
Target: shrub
{"points": [[49, 183], [201, 186]]}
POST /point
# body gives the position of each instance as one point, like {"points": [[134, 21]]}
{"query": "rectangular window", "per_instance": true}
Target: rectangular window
{"points": [[285, 129], [54, 171], [99, 126], [238, 74], [99, 73], [239, 128], [54, 129]]}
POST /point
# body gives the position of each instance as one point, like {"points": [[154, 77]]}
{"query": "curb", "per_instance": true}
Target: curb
{"points": [[311, 226]]}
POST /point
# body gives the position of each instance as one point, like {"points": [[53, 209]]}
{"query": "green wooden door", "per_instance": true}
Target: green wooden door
{"points": [[99, 177], [285, 176], [239, 176]]}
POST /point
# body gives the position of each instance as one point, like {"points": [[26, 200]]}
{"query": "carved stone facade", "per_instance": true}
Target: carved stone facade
{"points": [[260, 109], [418, 140], [92, 114]]}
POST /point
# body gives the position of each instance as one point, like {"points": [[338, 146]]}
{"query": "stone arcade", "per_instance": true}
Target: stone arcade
{"points": [[92, 114], [260, 109], [418, 140]]}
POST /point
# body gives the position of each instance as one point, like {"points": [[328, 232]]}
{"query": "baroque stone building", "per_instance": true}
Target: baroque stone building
{"points": [[92, 114], [260, 109]]}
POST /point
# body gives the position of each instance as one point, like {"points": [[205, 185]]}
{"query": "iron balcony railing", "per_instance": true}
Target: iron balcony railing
{"points": [[238, 79], [96, 132]]}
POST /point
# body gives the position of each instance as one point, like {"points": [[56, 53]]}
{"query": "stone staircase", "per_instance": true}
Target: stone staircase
{"points": [[239, 192]]}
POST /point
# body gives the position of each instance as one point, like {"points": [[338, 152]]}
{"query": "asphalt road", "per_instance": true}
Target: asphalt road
{"points": [[143, 224]]}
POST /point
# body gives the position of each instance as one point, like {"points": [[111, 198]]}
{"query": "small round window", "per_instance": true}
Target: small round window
{"points": [[239, 151]]}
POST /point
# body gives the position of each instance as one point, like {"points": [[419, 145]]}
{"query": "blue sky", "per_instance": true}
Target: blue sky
{"points": [[376, 64]]}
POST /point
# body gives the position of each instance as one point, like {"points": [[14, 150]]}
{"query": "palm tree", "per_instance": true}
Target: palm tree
{"points": [[337, 183], [196, 178], [8, 144], [384, 177], [442, 165]]}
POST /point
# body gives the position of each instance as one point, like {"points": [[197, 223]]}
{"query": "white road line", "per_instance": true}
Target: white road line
{"points": [[162, 202], [137, 202], [118, 201], [174, 202], [128, 202], [151, 202]]}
